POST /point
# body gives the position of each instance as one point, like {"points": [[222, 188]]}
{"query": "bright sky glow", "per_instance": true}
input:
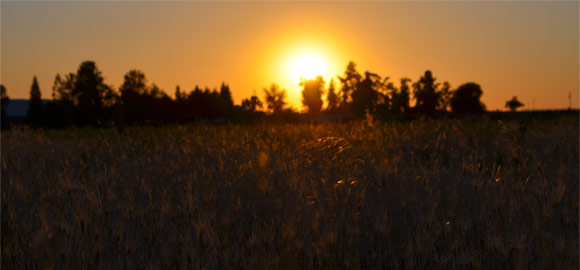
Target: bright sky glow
{"points": [[307, 66], [527, 49]]}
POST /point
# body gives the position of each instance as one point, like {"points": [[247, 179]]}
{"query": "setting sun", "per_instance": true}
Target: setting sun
{"points": [[308, 66], [303, 56]]}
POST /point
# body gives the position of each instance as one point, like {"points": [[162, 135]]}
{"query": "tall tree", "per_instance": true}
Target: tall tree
{"points": [[365, 95], [91, 94], [4, 99], [133, 92], [275, 98], [466, 99], [226, 95], [400, 98], [331, 97], [349, 83], [513, 104], [179, 96], [134, 83], [425, 93], [62, 111], [62, 89], [35, 109], [312, 94], [445, 97], [386, 91]]}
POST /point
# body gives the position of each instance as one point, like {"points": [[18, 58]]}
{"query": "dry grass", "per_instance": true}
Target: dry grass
{"points": [[425, 194]]}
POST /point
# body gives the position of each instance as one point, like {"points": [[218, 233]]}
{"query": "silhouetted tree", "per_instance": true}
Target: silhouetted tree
{"points": [[133, 92], [61, 111], [312, 94], [179, 95], [386, 91], [466, 99], [203, 104], [513, 104], [5, 100], [425, 93], [445, 97], [365, 95], [349, 83], [142, 103], [400, 98], [331, 97], [226, 95], [62, 89], [92, 96], [251, 104], [275, 98], [156, 92], [35, 110], [225, 102], [160, 104]]}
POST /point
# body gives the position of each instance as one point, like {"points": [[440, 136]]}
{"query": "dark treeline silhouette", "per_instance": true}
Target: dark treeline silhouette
{"points": [[84, 99], [361, 94]]}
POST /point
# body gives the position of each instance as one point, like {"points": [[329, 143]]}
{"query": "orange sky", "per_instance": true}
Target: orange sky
{"points": [[528, 49]]}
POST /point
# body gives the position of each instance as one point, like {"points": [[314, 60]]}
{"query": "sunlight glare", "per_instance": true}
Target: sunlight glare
{"points": [[307, 66]]}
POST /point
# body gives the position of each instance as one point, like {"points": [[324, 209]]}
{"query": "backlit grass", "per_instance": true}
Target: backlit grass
{"points": [[422, 194]]}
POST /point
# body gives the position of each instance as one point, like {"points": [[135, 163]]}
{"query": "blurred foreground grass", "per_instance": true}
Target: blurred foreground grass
{"points": [[422, 194]]}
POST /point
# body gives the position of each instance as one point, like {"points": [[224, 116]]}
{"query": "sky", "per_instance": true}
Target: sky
{"points": [[510, 48]]}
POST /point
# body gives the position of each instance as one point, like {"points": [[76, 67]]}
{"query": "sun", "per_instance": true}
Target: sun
{"points": [[307, 66]]}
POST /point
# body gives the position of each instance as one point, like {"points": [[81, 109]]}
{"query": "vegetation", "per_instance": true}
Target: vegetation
{"points": [[34, 114], [422, 194], [84, 99], [466, 99], [312, 95], [275, 98], [252, 104], [331, 97], [513, 104]]}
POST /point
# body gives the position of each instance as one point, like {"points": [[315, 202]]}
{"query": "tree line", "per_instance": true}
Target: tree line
{"points": [[84, 99], [370, 93]]}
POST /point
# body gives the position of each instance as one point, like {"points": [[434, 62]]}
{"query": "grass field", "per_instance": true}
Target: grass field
{"points": [[422, 194]]}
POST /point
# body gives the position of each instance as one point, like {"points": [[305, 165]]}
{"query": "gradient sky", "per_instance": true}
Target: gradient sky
{"points": [[526, 49]]}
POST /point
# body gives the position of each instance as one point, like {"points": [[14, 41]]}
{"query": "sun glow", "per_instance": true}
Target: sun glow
{"points": [[308, 66], [297, 59]]}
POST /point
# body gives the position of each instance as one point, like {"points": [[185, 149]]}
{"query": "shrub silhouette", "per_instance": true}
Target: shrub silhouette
{"points": [[466, 99], [252, 104], [275, 98], [513, 104]]}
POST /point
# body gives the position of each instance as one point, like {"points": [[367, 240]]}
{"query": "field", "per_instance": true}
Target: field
{"points": [[419, 194]]}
